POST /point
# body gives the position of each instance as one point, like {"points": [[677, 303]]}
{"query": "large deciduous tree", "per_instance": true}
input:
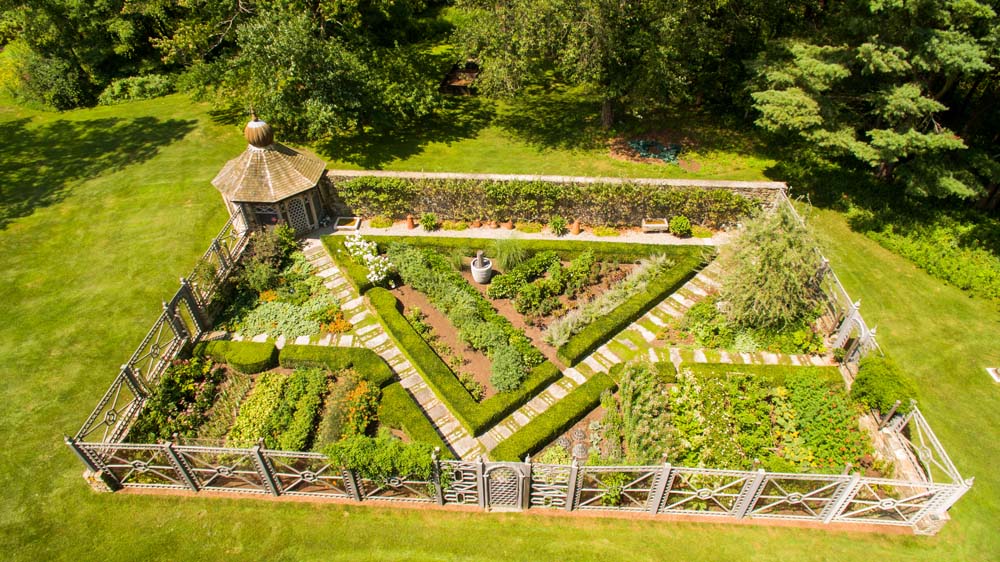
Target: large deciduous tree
{"points": [[878, 83]]}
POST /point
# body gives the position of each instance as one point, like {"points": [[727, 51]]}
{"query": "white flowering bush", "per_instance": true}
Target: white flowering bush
{"points": [[365, 252]]}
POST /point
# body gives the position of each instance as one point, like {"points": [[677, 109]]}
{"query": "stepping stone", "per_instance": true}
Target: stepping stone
{"points": [[327, 273], [359, 318], [653, 356], [391, 353], [655, 320], [627, 343], [464, 445], [344, 295], [556, 391], [668, 308], [488, 441], [795, 360], [593, 364], [577, 377], [411, 381], [325, 340], [366, 329], [280, 342], [302, 340], [684, 301], [378, 340], [237, 337], [346, 341], [675, 356], [448, 427], [608, 354], [747, 358], [696, 290], [259, 338], [699, 356], [646, 334], [724, 357], [354, 303], [769, 358], [520, 418], [817, 360]]}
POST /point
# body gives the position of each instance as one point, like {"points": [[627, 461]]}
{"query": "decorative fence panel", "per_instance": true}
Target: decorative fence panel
{"points": [[308, 474], [464, 482]]}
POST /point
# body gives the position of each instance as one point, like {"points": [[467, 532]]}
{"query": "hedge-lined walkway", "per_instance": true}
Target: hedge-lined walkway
{"points": [[370, 333]]}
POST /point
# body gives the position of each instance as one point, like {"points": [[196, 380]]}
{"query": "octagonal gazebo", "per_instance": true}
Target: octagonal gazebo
{"points": [[272, 183]]}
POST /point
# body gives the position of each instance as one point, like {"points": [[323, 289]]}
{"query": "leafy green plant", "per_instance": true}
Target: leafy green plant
{"points": [[475, 388], [429, 222], [454, 225], [253, 421], [680, 226], [508, 284], [134, 88], [178, 404], [880, 382], [333, 421], [558, 225], [365, 362], [507, 369], [606, 231], [382, 457], [381, 222], [528, 227]]}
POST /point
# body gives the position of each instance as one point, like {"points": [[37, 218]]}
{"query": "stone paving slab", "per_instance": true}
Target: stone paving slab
{"points": [[575, 375], [279, 342]]}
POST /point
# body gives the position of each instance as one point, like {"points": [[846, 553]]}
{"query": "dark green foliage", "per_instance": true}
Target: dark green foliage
{"points": [[710, 328], [554, 421], [665, 371], [580, 273], [357, 274], [244, 356], [136, 88], [178, 403], [773, 375], [880, 382], [597, 333], [370, 196], [383, 457], [608, 204], [680, 226], [365, 362], [506, 286], [299, 417], [507, 369], [771, 273], [48, 80], [635, 426], [828, 423], [398, 410], [476, 417]]}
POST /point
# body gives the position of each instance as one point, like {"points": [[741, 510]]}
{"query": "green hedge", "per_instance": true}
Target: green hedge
{"points": [[398, 410], [567, 249], [775, 374], [880, 382], [244, 356], [597, 333], [475, 417], [553, 422], [365, 362], [355, 273]]}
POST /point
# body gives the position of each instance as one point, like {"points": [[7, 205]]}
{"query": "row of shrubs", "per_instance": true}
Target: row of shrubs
{"points": [[609, 204], [554, 421], [595, 334], [399, 411], [477, 418], [775, 375]]}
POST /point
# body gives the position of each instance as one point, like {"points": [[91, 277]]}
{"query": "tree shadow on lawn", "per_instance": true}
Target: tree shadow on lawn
{"points": [[460, 117], [41, 164], [554, 119]]}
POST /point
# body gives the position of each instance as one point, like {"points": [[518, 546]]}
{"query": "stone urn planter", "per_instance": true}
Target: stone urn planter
{"points": [[482, 268]]}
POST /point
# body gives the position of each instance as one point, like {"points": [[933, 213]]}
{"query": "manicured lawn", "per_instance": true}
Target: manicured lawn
{"points": [[107, 207]]}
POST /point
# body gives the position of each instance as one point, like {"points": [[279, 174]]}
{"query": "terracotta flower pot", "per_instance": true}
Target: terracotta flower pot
{"points": [[476, 223], [409, 222], [509, 225], [575, 227]]}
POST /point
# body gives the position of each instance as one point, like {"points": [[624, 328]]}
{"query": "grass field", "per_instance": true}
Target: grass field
{"points": [[104, 208]]}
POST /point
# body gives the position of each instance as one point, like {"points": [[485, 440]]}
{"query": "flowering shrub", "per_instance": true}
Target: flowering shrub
{"points": [[361, 405], [365, 252], [178, 404]]}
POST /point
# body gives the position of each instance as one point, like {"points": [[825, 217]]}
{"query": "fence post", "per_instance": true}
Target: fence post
{"points": [[137, 386], [197, 314], [843, 496], [749, 494], [481, 483], [178, 463], [75, 447], [351, 483], [436, 476], [846, 325], [180, 332], [264, 469], [662, 485], [106, 477], [526, 483], [574, 476]]}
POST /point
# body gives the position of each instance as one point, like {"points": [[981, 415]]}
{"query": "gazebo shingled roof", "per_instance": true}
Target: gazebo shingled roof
{"points": [[267, 172]]}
